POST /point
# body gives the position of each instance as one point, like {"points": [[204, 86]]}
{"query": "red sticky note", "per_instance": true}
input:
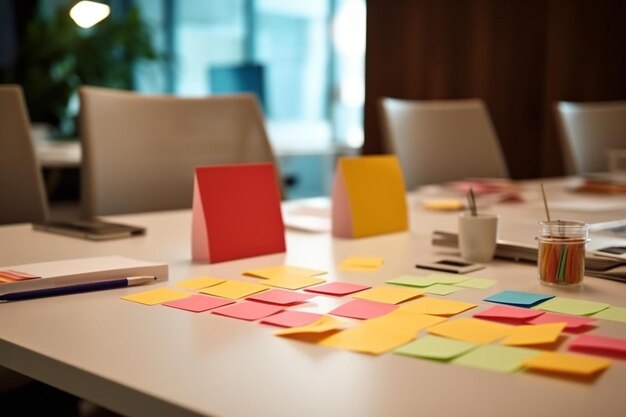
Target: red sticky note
{"points": [[338, 288], [508, 314], [248, 310], [363, 309], [236, 212], [573, 322], [281, 297], [289, 318], [198, 303], [600, 345]]}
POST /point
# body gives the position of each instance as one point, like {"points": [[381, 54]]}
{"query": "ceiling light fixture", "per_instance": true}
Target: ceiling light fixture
{"points": [[88, 13]]}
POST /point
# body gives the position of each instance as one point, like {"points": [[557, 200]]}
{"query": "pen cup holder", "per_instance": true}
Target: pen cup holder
{"points": [[561, 252]]}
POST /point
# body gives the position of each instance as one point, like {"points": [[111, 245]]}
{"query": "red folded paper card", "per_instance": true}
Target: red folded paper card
{"points": [[236, 212]]}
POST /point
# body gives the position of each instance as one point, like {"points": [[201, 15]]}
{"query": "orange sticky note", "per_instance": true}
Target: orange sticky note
{"points": [[534, 334], [471, 330], [389, 295], [399, 321], [368, 197], [322, 325], [367, 339], [236, 212], [436, 306], [567, 363]]}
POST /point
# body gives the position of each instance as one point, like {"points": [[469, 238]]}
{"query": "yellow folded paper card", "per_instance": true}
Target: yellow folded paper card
{"points": [[281, 271], [157, 296], [367, 339], [471, 330], [359, 263], [321, 325], [234, 289], [199, 283], [368, 197], [534, 334]]}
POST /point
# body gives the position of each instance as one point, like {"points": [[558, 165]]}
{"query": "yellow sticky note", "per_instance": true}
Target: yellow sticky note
{"points": [[443, 204], [199, 283], [436, 306], [389, 295], [368, 197], [355, 263], [293, 282], [234, 289], [367, 339], [403, 322], [321, 325], [274, 272], [471, 330], [534, 334], [567, 363], [157, 296]]}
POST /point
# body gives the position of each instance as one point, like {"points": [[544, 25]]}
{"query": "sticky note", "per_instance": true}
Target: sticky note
{"points": [[281, 271], [364, 339], [198, 303], [413, 281], [280, 297], [290, 318], [477, 283], [508, 314], [496, 358], [435, 347], [447, 278], [518, 298], [567, 363], [391, 295], [223, 225], [293, 282], [157, 296], [443, 204], [572, 322], [399, 321], [534, 334], [368, 197], [338, 288], [234, 289], [322, 325], [248, 310], [363, 309], [471, 330], [612, 313], [361, 264], [436, 306], [441, 289], [199, 283], [600, 345], [572, 306]]}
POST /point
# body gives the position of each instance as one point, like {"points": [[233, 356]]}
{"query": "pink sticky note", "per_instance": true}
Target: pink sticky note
{"points": [[573, 322], [363, 309], [248, 310], [198, 303], [508, 314], [236, 212], [600, 345], [17, 275], [338, 288], [289, 318], [281, 297]]}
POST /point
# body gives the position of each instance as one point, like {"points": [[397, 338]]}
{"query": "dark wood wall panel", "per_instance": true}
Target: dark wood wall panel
{"points": [[510, 53]]}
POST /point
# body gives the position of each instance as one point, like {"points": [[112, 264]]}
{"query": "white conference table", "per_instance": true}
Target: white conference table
{"points": [[158, 361]]}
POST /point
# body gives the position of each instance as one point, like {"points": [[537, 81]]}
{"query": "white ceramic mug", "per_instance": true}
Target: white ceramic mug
{"points": [[478, 236]]}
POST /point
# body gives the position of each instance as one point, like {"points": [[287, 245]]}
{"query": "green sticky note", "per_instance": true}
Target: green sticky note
{"points": [[612, 313], [447, 278], [441, 289], [572, 306], [477, 283], [413, 281], [496, 358], [435, 347]]}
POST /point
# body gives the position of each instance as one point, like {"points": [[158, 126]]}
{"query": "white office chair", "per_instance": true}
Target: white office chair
{"points": [[439, 141], [588, 131], [22, 192], [139, 152]]}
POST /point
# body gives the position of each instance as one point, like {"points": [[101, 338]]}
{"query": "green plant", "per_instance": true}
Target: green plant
{"points": [[57, 56]]}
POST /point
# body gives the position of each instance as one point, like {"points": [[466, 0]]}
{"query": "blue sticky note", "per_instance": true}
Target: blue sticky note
{"points": [[518, 298]]}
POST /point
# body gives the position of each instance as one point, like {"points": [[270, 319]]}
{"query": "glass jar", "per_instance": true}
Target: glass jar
{"points": [[561, 252]]}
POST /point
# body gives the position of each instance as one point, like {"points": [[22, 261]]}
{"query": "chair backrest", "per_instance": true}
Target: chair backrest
{"points": [[22, 192], [588, 131], [442, 140], [140, 152]]}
